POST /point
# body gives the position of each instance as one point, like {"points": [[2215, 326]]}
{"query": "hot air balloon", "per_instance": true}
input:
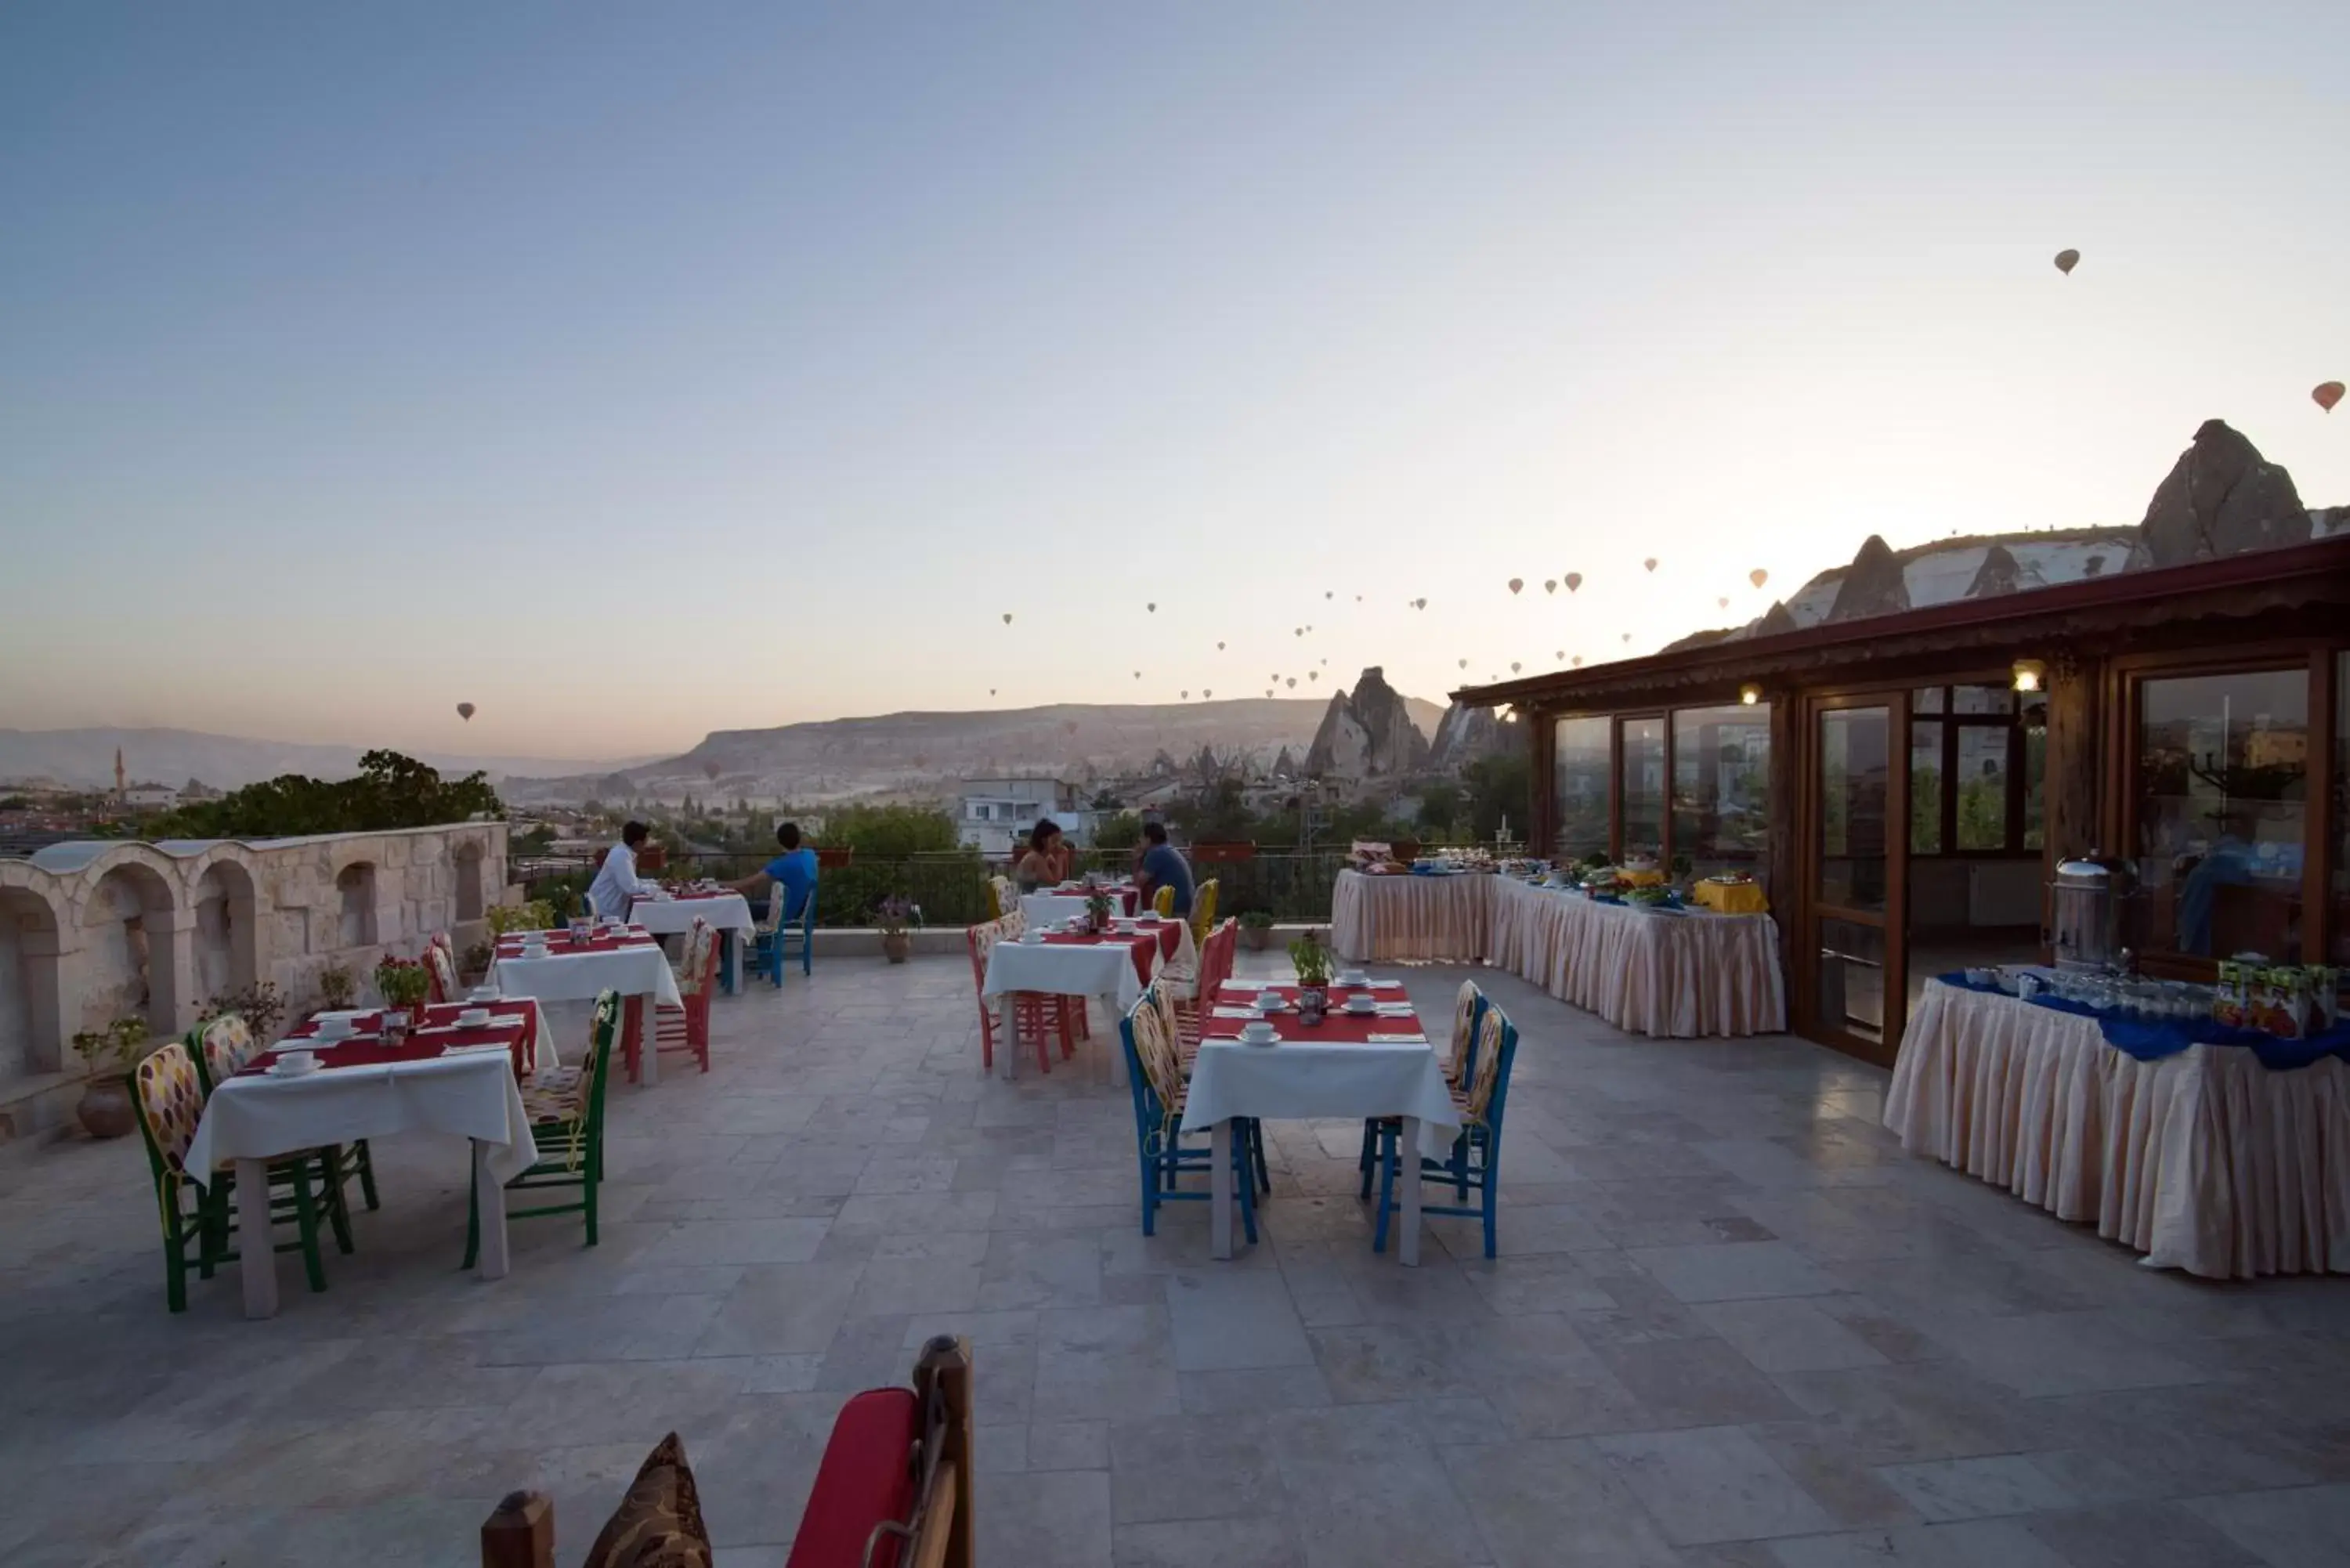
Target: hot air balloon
{"points": [[1572, 580], [709, 770], [1550, 585], [465, 712], [1069, 725], [1628, 636], [1152, 607], [1464, 664], [1309, 626], [990, 691], [1138, 675], [1650, 562], [2067, 260], [1420, 604], [1186, 694], [1516, 583], [2326, 394], [1205, 692], [1329, 594], [1220, 648], [1007, 617], [1268, 691], [1293, 681], [1313, 675], [1326, 661], [1514, 667], [1560, 654], [1758, 577], [1724, 603], [1578, 661]]}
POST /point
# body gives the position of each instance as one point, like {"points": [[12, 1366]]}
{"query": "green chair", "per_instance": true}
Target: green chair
{"points": [[567, 1124], [223, 1046], [168, 1096]]}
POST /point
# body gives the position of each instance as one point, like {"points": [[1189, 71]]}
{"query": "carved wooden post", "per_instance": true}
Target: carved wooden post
{"points": [[521, 1534], [2070, 788], [1784, 843]]}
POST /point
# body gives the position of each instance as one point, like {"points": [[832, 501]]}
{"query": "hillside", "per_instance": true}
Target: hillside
{"points": [[928, 753], [84, 759]]}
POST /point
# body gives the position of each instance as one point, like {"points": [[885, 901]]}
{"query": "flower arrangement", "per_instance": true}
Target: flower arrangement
{"points": [[260, 1005], [1097, 913], [117, 1048], [895, 913], [402, 982], [337, 986]]}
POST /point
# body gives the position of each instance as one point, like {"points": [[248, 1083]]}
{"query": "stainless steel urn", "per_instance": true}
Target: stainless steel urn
{"points": [[2083, 916]]}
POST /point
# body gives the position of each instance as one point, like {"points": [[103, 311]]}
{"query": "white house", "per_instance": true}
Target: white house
{"points": [[994, 815]]}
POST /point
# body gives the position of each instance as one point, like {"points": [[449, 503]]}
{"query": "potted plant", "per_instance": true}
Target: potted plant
{"points": [[403, 985], [337, 986], [1257, 930], [896, 915], [1097, 914], [260, 1005], [1312, 959], [111, 1053], [477, 964]]}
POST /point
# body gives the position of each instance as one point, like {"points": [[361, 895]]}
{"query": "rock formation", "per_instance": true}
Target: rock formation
{"points": [[1873, 584], [1466, 735], [1284, 766], [2221, 498], [1999, 574], [1367, 734]]}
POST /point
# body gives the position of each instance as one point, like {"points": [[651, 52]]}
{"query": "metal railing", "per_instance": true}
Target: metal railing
{"points": [[951, 888]]}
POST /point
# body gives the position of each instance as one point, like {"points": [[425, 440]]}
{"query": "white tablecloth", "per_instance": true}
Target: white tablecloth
{"points": [[1430, 919], [639, 970], [1296, 1081], [2205, 1161], [473, 1096], [1065, 969], [1042, 909], [675, 917], [1666, 976]]}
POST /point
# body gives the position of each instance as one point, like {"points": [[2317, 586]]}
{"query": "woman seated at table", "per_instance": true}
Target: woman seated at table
{"points": [[1049, 859]]}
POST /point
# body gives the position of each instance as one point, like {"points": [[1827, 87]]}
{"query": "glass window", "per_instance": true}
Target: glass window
{"points": [[1644, 786], [2222, 780], [1721, 788], [1926, 700], [1926, 786], [1581, 771], [1854, 775], [2000, 699], [1982, 786]]}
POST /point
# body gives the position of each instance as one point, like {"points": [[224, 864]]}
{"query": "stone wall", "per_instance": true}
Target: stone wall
{"points": [[92, 931]]}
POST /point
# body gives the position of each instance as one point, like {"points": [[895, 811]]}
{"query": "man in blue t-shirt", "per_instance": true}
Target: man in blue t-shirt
{"points": [[1163, 866], [790, 875]]}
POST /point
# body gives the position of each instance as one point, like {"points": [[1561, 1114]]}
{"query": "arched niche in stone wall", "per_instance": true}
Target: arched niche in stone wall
{"points": [[227, 930], [129, 923], [32, 1032], [355, 895], [471, 857]]}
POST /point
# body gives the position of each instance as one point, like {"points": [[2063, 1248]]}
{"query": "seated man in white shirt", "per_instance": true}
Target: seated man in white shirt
{"points": [[617, 880]]}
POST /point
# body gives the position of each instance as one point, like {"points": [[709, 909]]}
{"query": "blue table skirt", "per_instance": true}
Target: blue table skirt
{"points": [[2150, 1040]]}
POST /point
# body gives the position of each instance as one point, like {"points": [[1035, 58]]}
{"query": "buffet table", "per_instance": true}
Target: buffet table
{"points": [[1666, 975], [2204, 1160]]}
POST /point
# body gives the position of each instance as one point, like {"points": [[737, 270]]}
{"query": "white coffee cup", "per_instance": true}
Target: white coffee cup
{"points": [[332, 1029], [475, 1017], [1353, 977], [1257, 1032], [1359, 1002], [294, 1064], [1268, 1002]]}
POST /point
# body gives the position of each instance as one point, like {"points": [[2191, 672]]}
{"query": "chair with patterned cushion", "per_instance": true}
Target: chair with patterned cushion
{"points": [[222, 1048], [1467, 1006], [1155, 1075], [1162, 901], [441, 969], [686, 1028], [1475, 1159], [199, 1219], [567, 1128], [1000, 896]]}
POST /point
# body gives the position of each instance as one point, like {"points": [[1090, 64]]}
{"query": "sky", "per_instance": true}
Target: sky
{"points": [[633, 372]]}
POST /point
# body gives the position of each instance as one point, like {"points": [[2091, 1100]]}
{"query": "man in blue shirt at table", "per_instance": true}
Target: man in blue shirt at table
{"points": [[1162, 865], [790, 875]]}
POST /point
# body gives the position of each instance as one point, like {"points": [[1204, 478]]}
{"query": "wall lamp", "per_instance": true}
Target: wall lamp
{"points": [[1750, 694], [2031, 675]]}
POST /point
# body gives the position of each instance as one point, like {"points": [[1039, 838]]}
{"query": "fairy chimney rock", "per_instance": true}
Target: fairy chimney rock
{"points": [[1367, 734], [1873, 584], [2221, 498]]}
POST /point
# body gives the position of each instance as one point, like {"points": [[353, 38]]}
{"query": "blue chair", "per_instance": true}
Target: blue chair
{"points": [[776, 936], [1475, 1159], [1156, 1077], [1467, 1007]]}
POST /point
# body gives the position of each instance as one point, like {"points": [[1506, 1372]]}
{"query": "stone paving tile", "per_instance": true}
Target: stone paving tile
{"points": [[1726, 1309]]}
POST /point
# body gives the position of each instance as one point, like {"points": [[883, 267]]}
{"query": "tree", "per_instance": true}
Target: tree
{"points": [[1498, 787], [390, 791], [890, 831], [1123, 831], [1440, 809]]}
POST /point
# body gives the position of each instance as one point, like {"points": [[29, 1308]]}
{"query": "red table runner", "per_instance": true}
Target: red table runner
{"points": [[1123, 895], [559, 944], [520, 1037], [1163, 938], [1336, 1028]]}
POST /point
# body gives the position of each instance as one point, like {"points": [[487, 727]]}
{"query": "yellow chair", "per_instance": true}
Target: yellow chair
{"points": [[1203, 912], [1162, 903]]}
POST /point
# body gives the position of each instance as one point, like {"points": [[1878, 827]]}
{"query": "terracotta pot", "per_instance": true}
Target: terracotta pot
{"points": [[1256, 939], [105, 1108], [897, 946]]}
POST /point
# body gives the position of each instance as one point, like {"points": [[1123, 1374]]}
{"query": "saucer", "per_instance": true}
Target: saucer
{"points": [[475, 1017]]}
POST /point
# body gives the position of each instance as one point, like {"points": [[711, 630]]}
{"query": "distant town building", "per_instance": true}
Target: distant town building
{"points": [[994, 815]]}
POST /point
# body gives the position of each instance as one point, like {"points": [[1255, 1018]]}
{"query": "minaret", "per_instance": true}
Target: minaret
{"points": [[121, 785]]}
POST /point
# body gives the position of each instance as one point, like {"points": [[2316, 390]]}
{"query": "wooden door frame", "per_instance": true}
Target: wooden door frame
{"points": [[1893, 920]]}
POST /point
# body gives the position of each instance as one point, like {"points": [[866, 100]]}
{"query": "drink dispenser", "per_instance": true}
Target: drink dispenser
{"points": [[2083, 916]]}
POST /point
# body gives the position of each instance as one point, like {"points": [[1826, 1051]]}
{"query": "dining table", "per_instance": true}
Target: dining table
{"points": [[1117, 966], [725, 911], [628, 959], [1070, 901], [443, 1075], [1374, 1064]]}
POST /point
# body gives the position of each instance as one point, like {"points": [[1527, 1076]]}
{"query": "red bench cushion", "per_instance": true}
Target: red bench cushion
{"points": [[866, 1478]]}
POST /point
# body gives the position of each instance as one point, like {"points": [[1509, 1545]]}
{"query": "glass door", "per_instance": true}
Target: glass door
{"points": [[1857, 842]]}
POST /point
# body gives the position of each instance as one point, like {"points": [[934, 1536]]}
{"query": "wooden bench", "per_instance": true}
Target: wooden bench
{"points": [[893, 1490]]}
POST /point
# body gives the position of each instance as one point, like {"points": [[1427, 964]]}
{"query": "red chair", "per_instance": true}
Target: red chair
{"points": [[440, 969], [687, 1028], [1216, 959], [1034, 1014]]}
